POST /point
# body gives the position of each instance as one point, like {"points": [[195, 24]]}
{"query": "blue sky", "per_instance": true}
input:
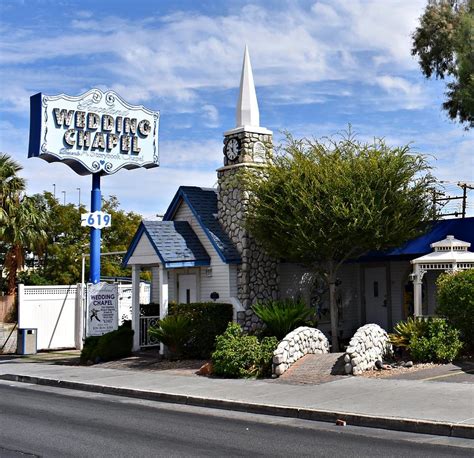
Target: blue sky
{"points": [[318, 65]]}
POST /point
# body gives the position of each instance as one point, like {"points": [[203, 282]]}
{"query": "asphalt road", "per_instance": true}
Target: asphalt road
{"points": [[43, 421]]}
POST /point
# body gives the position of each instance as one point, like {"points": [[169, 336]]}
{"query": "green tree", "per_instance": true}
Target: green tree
{"points": [[321, 203], [23, 220], [444, 44], [67, 240], [117, 237]]}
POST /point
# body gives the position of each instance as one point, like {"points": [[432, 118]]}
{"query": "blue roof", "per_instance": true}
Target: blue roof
{"points": [[203, 204], [460, 228], [175, 243]]}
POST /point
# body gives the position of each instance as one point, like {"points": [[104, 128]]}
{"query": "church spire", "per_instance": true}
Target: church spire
{"points": [[247, 113]]}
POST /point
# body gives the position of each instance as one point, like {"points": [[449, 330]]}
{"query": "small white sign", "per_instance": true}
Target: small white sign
{"points": [[102, 308], [259, 152], [97, 219]]}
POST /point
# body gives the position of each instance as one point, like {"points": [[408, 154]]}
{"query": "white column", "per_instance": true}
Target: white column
{"points": [[136, 306], [79, 321], [163, 298], [417, 292]]}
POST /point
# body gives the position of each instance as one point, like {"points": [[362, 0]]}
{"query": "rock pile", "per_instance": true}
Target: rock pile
{"points": [[295, 345], [369, 344]]}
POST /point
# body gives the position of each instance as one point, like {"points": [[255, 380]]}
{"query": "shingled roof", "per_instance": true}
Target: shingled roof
{"points": [[175, 243], [203, 204]]}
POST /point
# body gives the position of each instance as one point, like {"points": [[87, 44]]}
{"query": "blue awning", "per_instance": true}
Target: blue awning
{"points": [[461, 228]]}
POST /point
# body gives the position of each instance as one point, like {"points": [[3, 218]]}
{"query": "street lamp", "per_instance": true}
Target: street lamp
{"points": [[64, 194], [79, 189], [54, 190]]}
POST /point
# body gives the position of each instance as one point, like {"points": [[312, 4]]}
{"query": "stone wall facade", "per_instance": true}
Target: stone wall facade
{"points": [[295, 345], [369, 344], [257, 275]]}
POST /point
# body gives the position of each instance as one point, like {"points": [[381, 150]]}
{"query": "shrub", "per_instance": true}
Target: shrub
{"points": [[456, 302], [439, 343], [208, 320], [239, 355], [282, 317], [173, 331], [113, 345], [90, 345], [406, 330]]}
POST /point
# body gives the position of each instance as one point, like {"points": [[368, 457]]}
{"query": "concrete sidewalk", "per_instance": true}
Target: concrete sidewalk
{"points": [[406, 405]]}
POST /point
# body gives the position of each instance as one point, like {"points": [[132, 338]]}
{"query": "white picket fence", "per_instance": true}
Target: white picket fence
{"points": [[57, 312]]}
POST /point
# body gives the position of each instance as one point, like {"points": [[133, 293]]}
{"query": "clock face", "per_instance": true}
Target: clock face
{"points": [[232, 149]]}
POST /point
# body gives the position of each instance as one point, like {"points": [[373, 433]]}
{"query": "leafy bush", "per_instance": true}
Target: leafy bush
{"points": [[456, 302], [239, 355], [282, 317], [439, 343], [208, 320], [113, 345], [173, 331], [406, 330]]}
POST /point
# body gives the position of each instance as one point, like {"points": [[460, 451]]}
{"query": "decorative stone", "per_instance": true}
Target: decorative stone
{"points": [[296, 344], [367, 348]]}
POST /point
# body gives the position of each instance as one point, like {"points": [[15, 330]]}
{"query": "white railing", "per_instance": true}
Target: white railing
{"points": [[145, 323]]}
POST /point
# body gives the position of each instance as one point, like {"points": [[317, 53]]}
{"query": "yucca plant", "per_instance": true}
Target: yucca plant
{"points": [[173, 331], [281, 317], [406, 330]]}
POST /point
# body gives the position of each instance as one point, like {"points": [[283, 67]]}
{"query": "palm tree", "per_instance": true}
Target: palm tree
{"points": [[11, 185], [23, 220]]}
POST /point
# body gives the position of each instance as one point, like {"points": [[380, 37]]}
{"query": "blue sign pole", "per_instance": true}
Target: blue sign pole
{"points": [[96, 203]]}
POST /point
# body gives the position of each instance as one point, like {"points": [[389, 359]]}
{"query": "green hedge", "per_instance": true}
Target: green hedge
{"points": [[113, 345], [208, 320]]}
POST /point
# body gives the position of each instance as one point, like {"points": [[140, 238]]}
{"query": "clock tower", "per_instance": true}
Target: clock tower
{"points": [[246, 147]]}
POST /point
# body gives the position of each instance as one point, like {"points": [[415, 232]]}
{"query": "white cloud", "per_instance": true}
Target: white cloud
{"points": [[407, 94], [177, 56], [210, 116]]}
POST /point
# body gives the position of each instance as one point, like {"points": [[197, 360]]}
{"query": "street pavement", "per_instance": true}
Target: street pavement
{"points": [[46, 421], [431, 407]]}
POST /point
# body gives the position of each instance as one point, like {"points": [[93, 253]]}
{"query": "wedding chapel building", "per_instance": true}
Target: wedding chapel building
{"points": [[200, 251]]}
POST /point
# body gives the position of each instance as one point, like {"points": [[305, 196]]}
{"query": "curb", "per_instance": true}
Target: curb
{"points": [[391, 423]]}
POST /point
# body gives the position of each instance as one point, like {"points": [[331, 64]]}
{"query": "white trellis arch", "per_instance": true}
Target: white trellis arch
{"points": [[449, 255]]}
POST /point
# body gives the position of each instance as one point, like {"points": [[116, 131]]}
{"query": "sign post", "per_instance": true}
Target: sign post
{"points": [[95, 134], [96, 204]]}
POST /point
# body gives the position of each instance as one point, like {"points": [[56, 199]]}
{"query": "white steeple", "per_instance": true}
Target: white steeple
{"points": [[247, 113]]}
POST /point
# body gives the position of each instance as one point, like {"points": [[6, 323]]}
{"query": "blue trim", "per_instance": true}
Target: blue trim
{"points": [[204, 228], [172, 264], [177, 264], [133, 244], [181, 195], [157, 251], [35, 125]]}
